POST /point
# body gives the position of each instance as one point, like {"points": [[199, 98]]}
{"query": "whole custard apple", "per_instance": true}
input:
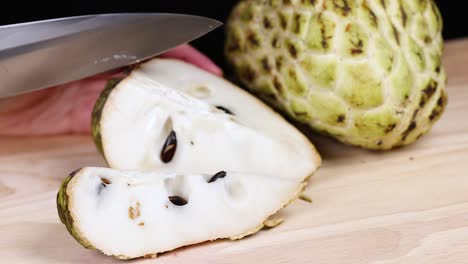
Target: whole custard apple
{"points": [[366, 72]]}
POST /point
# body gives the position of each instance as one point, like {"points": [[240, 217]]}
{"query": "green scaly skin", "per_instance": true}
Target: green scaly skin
{"points": [[64, 212], [97, 112], [367, 73]]}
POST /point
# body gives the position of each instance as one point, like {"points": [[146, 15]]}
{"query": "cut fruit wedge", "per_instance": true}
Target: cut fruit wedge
{"points": [[131, 214], [171, 116], [193, 158]]}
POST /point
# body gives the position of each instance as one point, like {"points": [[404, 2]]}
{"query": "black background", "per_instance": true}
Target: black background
{"points": [[12, 11]]}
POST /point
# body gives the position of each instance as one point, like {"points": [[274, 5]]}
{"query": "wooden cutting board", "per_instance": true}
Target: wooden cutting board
{"points": [[409, 205]]}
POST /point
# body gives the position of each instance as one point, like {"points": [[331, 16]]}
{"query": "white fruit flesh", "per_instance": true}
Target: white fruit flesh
{"points": [[128, 214], [168, 95]]}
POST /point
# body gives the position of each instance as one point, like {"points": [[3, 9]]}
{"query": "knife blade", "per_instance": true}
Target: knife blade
{"points": [[37, 55]]}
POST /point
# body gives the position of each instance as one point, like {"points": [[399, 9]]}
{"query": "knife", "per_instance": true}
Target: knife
{"points": [[37, 55]]}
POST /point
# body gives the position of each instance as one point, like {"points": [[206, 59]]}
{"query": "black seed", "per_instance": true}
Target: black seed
{"points": [[227, 111], [191, 143], [379, 143], [218, 175], [169, 148], [341, 118], [177, 200], [105, 181]]}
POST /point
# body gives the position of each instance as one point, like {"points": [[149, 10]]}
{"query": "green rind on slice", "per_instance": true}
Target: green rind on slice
{"points": [[97, 112], [64, 213]]}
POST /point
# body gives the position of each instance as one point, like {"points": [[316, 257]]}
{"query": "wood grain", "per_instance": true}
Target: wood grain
{"points": [[409, 205]]}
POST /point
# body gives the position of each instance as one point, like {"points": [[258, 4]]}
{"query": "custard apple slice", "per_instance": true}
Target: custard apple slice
{"points": [[168, 115], [366, 72], [132, 214]]}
